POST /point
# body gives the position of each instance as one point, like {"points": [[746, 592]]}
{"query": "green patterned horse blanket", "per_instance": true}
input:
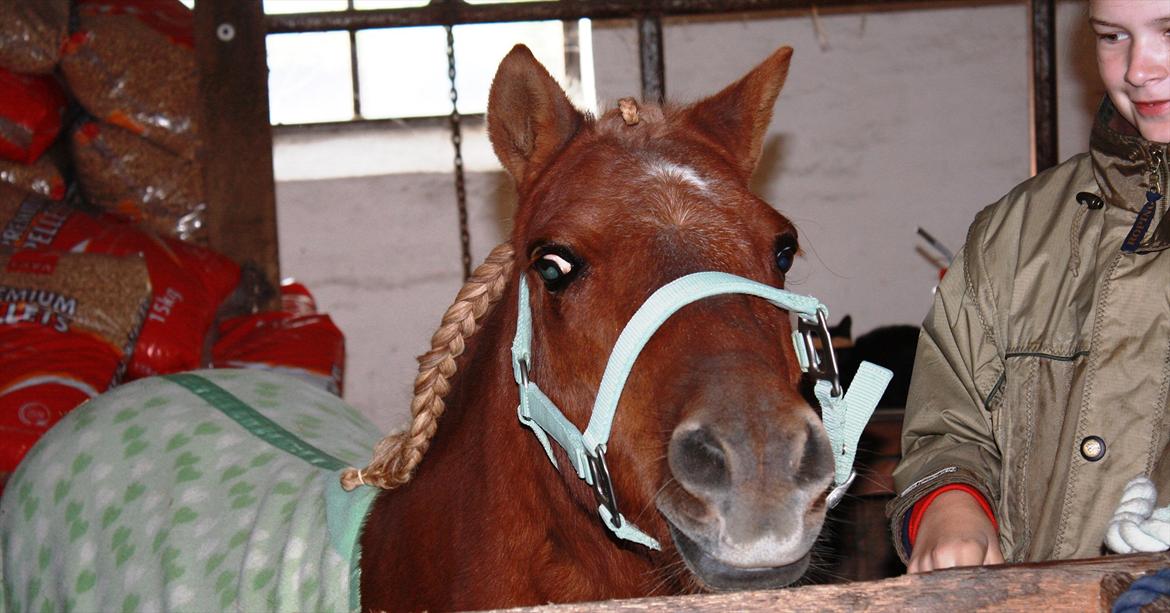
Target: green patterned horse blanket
{"points": [[207, 491]]}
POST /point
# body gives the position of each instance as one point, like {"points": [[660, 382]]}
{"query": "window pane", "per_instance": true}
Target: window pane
{"points": [[480, 47], [403, 72], [309, 77]]}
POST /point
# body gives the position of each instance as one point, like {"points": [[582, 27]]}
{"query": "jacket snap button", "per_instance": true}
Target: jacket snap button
{"points": [[1093, 448], [1091, 200]]}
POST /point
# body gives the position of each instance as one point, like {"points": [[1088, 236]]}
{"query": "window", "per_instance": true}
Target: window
{"points": [[396, 75]]}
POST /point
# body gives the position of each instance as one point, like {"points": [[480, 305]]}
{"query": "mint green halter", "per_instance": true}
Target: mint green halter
{"points": [[844, 415]]}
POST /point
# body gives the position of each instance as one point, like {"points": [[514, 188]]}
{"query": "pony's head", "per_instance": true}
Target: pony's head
{"points": [[713, 450]]}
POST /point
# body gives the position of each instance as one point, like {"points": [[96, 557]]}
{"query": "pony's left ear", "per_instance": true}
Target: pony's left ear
{"points": [[529, 118], [737, 117]]}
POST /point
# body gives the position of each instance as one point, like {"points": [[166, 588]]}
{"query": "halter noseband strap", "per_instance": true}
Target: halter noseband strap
{"points": [[844, 415]]}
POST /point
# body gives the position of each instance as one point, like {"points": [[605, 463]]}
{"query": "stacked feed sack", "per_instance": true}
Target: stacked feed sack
{"points": [[101, 180]]}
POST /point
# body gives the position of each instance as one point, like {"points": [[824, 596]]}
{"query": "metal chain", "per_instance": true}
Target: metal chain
{"points": [[457, 143]]}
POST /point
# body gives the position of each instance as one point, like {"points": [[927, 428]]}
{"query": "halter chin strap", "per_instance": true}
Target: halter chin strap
{"points": [[844, 415]]}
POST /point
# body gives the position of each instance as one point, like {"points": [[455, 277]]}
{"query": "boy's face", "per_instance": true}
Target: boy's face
{"points": [[1133, 55]]}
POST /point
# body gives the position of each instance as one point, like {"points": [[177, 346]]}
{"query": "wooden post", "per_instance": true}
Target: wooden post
{"points": [[237, 137], [651, 60], [1043, 91]]}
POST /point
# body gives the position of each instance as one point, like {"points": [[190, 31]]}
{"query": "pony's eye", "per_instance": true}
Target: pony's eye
{"points": [[785, 252], [552, 267], [555, 269]]}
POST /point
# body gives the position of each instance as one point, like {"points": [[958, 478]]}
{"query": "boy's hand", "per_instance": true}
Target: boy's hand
{"points": [[954, 532]]}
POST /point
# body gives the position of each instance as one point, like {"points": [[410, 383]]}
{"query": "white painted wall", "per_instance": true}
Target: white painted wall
{"points": [[889, 120]]}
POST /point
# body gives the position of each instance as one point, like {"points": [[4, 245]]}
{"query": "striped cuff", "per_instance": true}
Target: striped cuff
{"points": [[914, 518]]}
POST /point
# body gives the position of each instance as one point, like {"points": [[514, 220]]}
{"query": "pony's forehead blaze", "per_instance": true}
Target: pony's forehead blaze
{"points": [[674, 186], [675, 173], [647, 187]]}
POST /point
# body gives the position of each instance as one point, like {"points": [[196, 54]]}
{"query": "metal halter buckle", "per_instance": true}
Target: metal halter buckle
{"points": [[523, 373], [602, 486], [821, 364], [838, 491]]}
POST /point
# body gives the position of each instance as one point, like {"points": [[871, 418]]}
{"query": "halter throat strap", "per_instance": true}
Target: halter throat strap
{"points": [[844, 415]]}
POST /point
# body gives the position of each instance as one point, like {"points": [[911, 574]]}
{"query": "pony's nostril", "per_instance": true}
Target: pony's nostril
{"points": [[698, 460], [817, 458]]}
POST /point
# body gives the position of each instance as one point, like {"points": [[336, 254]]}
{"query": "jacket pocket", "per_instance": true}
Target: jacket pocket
{"points": [[1032, 414]]}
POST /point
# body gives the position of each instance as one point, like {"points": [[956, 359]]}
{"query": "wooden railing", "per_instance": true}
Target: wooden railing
{"points": [[1075, 585]]}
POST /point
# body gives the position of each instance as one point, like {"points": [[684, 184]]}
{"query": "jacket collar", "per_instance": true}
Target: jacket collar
{"points": [[1125, 167]]}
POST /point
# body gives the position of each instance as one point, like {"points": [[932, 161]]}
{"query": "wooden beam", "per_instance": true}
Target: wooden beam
{"points": [[456, 12], [1073, 585], [237, 137], [651, 62], [1043, 90]]}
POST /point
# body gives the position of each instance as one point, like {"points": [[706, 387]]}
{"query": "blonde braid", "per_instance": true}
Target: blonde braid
{"points": [[397, 455]]}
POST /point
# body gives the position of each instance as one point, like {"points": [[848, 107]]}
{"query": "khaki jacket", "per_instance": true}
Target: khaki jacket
{"points": [[1042, 369]]}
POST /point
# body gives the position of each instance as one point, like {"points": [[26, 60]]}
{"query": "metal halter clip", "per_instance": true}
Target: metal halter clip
{"points": [[602, 486], [523, 373], [838, 492], [821, 364]]}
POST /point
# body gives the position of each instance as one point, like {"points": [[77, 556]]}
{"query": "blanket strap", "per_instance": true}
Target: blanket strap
{"points": [[254, 422], [345, 511]]}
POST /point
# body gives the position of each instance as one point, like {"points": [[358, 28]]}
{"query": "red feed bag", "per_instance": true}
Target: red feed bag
{"points": [[43, 375], [131, 63], [31, 33], [188, 281], [121, 172], [31, 109], [64, 338], [295, 341], [42, 177], [296, 299], [216, 273]]}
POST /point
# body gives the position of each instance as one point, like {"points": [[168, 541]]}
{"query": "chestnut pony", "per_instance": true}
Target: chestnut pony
{"points": [[718, 465], [618, 387]]}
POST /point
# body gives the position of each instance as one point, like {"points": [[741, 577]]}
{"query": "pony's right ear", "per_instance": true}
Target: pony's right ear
{"points": [[737, 117], [529, 118]]}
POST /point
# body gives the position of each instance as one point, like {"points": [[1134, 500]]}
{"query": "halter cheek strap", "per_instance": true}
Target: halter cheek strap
{"points": [[844, 415]]}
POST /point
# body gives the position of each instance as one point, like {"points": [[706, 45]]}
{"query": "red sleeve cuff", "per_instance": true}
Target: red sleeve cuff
{"points": [[920, 507]]}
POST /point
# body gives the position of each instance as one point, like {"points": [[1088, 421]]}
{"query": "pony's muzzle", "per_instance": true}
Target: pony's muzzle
{"points": [[752, 490]]}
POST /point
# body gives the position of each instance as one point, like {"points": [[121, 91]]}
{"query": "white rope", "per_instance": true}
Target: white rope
{"points": [[1136, 525]]}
